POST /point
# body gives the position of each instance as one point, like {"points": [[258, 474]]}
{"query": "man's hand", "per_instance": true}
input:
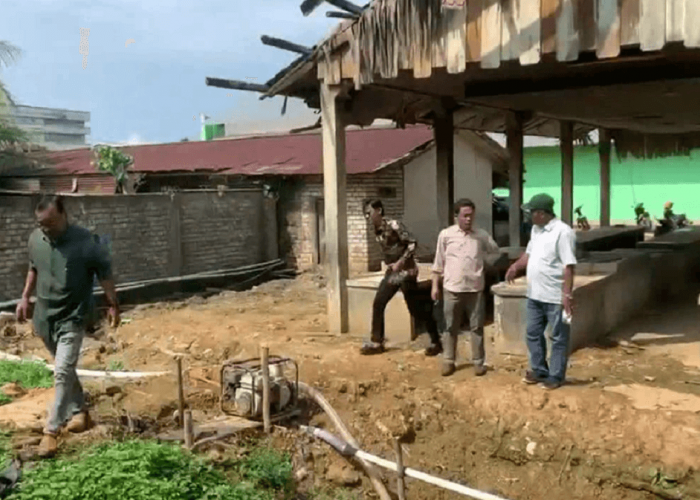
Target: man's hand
{"points": [[113, 316], [23, 310], [511, 274], [435, 293], [568, 303], [396, 266]]}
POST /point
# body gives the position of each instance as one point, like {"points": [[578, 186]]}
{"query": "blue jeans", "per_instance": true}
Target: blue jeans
{"points": [[539, 315], [69, 397]]}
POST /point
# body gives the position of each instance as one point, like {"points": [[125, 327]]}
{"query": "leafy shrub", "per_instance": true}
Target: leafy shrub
{"points": [[28, 374], [142, 470], [268, 468]]}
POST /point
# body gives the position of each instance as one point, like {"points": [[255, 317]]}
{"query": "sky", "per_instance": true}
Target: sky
{"points": [[152, 88]]}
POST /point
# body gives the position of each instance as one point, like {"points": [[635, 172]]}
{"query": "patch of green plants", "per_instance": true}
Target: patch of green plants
{"points": [[333, 494], [145, 470], [116, 365], [5, 454], [28, 374], [268, 468]]}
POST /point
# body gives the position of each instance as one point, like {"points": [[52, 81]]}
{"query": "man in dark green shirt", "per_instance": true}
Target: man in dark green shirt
{"points": [[63, 262]]}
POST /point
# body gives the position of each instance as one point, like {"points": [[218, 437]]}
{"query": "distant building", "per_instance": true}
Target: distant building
{"points": [[395, 165], [55, 129]]}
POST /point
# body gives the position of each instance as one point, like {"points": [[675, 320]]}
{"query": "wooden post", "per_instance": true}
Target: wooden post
{"points": [[335, 201], [566, 140], [514, 138], [401, 482], [180, 392], [189, 430], [604, 150], [445, 163], [265, 354]]}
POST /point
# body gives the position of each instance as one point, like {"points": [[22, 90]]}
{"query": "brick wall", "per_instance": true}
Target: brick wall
{"points": [[219, 232], [151, 235], [298, 200]]}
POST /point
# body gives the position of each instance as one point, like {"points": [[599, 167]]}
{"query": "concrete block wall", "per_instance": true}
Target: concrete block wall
{"points": [[299, 221], [221, 231], [150, 235]]}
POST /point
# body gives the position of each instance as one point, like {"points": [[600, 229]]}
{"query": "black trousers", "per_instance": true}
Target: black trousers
{"points": [[419, 305]]}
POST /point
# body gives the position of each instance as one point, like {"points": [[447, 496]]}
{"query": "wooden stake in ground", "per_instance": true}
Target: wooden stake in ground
{"points": [[180, 392], [401, 481], [265, 354], [189, 429]]}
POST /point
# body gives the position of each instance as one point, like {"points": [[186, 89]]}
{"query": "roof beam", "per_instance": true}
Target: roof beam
{"points": [[309, 6], [223, 83], [346, 6], [285, 45], [341, 15]]}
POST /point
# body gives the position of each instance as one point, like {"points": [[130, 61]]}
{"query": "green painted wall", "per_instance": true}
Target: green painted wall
{"points": [[652, 182]]}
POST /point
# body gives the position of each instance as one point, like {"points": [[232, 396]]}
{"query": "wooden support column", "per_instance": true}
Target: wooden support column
{"points": [[445, 164], [335, 210], [514, 136], [566, 139], [604, 150]]}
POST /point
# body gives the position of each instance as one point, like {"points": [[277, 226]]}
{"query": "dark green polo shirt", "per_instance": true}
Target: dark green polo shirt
{"points": [[66, 270]]}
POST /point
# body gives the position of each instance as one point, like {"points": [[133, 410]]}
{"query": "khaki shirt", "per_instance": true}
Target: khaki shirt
{"points": [[460, 256], [66, 270]]}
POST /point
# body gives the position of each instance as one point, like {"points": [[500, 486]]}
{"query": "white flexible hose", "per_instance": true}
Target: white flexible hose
{"points": [[372, 472], [422, 476], [349, 450], [95, 373]]}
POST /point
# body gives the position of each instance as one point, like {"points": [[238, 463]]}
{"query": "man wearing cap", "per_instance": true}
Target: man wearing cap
{"points": [[549, 261]]}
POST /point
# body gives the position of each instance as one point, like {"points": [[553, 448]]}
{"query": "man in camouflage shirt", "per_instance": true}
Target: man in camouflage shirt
{"points": [[398, 249]]}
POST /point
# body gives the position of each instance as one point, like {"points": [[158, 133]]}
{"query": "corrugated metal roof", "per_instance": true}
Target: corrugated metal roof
{"points": [[291, 154]]}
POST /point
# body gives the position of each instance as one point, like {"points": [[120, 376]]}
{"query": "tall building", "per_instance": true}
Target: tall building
{"points": [[53, 128]]}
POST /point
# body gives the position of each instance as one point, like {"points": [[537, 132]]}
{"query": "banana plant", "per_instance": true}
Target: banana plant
{"points": [[114, 162]]}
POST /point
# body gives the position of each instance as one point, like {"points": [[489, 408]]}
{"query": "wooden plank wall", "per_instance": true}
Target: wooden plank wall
{"points": [[421, 35]]}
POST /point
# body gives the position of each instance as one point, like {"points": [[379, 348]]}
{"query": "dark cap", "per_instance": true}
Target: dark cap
{"points": [[542, 202]]}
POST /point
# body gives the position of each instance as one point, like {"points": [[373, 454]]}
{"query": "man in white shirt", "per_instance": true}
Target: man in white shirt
{"points": [[459, 265], [550, 261]]}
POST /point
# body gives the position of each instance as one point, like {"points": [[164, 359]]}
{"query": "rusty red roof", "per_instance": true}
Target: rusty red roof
{"points": [[290, 154]]}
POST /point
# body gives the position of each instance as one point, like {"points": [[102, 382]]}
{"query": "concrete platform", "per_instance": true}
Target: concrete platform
{"points": [[398, 323], [610, 289], [604, 239]]}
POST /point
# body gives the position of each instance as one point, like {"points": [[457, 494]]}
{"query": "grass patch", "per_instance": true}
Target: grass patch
{"points": [[333, 494], [116, 365], [268, 468], [143, 470], [28, 374], [5, 454]]}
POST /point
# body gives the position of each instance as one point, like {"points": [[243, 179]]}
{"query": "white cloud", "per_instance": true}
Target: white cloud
{"points": [[134, 139]]}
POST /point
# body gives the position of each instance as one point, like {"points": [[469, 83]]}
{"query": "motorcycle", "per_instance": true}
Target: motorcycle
{"points": [[671, 221], [642, 217], [581, 220]]}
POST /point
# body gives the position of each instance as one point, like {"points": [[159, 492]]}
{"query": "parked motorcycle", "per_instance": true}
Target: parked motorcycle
{"points": [[642, 217], [671, 221], [581, 220]]}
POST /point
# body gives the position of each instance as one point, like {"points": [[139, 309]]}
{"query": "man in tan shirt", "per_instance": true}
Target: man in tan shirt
{"points": [[459, 265]]}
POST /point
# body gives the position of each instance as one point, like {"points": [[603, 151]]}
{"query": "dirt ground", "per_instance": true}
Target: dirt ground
{"points": [[629, 417]]}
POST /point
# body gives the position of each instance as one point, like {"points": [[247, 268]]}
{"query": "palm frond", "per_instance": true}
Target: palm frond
{"points": [[8, 53]]}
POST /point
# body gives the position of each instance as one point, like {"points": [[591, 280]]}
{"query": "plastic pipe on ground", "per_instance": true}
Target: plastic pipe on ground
{"points": [[348, 450], [370, 470], [94, 373]]}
